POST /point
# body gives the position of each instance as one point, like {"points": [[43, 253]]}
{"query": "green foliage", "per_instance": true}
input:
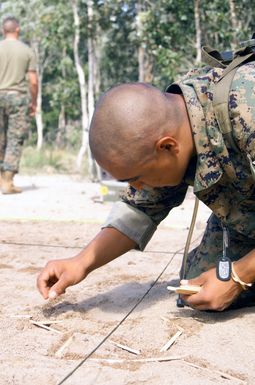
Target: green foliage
{"points": [[49, 160], [167, 36], [33, 159], [119, 49]]}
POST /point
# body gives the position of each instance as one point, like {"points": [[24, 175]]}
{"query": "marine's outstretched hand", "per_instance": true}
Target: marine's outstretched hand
{"points": [[58, 275]]}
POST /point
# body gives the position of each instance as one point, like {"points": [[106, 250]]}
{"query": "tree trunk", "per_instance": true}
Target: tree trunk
{"points": [[38, 114], [198, 30], [94, 169], [97, 58], [60, 138], [82, 83], [235, 24], [91, 60], [145, 62]]}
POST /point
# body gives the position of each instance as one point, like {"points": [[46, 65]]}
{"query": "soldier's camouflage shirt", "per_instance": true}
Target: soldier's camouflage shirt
{"points": [[221, 177]]}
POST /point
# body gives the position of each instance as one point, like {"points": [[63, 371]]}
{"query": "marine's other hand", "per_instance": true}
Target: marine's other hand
{"points": [[214, 294], [32, 110]]}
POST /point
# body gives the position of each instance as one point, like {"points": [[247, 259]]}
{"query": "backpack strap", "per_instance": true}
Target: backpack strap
{"points": [[221, 94], [215, 58], [212, 57]]}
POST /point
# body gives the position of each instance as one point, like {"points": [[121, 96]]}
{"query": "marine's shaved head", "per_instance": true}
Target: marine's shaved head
{"points": [[128, 121], [10, 24]]}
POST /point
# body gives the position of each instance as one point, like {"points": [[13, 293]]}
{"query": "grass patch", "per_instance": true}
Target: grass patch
{"points": [[50, 160]]}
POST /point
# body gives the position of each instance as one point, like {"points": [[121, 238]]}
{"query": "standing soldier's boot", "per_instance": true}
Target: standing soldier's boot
{"points": [[7, 185]]}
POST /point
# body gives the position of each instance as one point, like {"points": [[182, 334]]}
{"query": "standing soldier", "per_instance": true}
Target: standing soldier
{"points": [[17, 64]]}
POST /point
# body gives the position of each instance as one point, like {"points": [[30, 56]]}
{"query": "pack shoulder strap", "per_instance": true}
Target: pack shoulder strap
{"points": [[221, 96], [212, 57], [221, 89]]}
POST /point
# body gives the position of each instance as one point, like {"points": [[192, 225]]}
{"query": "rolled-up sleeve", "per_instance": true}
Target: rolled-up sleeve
{"points": [[139, 213], [132, 222]]}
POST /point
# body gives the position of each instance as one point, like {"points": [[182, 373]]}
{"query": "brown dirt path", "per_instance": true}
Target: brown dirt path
{"points": [[53, 218]]}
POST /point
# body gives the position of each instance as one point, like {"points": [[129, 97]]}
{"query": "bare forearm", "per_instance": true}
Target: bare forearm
{"points": [[34, 93], [105, 247], [245, 267], [33, 86], [59, 274]]}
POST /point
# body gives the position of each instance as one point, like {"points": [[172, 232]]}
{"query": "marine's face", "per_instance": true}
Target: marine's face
{"points": [[166, 166], [159, 172]]}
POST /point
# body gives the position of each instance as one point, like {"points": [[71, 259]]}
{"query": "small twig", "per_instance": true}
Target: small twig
{"points": [[48, 322], [171, 341], [64, 346], [124, 347], [151, 359], [21, 316], [45, 327], [173, 318], [222, 374]]}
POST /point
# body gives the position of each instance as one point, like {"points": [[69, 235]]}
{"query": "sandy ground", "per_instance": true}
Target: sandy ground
{"points": [[55, 217]]}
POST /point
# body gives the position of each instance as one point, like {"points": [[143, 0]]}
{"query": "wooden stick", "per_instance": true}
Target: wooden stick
{"points": [[171, 341], [222, 374], [21, 316], [60, 351], [47, 322], [124, 347], [45, 327], [151, 359], [185, 289], [172, 318]]}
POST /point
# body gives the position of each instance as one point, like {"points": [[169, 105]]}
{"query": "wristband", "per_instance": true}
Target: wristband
{"points": [[234, 276]]}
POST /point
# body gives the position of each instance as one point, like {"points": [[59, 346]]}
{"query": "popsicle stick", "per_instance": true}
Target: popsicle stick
{"points": [[171, 341], [45, 327], [151, 359], [185, 289], [21, 316], [60, 351], [125, 347]]}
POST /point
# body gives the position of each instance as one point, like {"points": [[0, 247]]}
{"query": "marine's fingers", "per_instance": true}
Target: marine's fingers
{"points": [[195, 301], [59, 287], [43, 283], [198, 281]]}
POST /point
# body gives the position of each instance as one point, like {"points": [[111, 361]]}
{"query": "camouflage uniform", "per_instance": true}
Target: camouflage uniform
{"points": [[16, 60], [14, 126], [220, 177]]}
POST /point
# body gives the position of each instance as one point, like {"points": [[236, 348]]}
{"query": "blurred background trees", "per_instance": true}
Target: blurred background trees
{"points": [[83, 47]]}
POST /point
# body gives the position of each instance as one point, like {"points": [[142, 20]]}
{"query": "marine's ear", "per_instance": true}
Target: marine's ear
{"points": [[168, 143]]}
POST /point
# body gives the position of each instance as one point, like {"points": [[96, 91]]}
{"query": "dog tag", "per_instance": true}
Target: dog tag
{"points": [[223, 268]]}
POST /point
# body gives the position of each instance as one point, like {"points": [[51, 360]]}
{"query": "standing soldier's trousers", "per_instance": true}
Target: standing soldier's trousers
{"points": [[14, 126], [205, 256]]}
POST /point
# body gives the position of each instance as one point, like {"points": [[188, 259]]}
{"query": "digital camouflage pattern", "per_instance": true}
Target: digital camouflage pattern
{"points": [[14, 126], [205, 255], [220, 177]]}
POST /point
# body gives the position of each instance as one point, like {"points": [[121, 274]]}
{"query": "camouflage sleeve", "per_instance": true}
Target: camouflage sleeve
{"points": [[140, 212]]}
